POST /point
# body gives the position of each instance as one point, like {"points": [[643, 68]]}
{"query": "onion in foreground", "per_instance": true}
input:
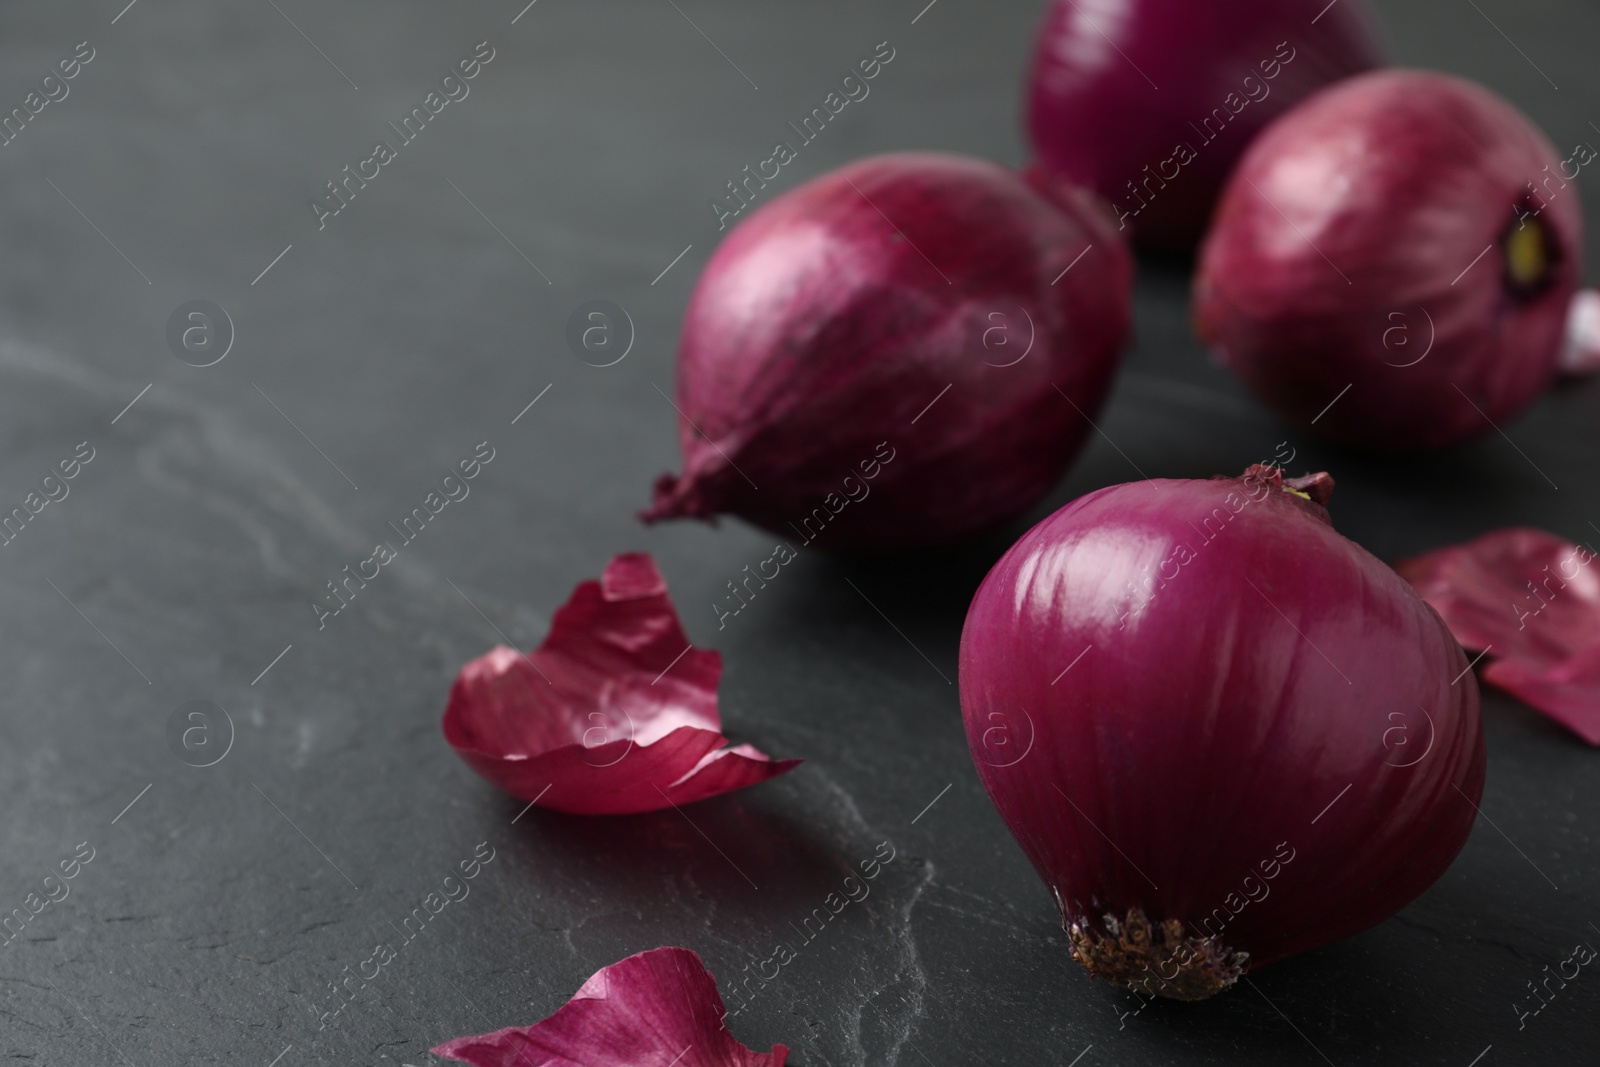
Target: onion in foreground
{"points": [[1222, 732], [1394, 260], [905, 351]]}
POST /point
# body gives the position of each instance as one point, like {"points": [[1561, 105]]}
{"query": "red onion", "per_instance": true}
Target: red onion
{"points": [[656, 1007], [918, 329], [1393, 261], [1531, 602], [1222, 732], [1150, 102]]}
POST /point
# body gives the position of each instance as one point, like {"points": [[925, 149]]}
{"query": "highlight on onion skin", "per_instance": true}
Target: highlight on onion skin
{"points": [[1404, 243], [1120, 88], [1222, 733], [891, 355]]}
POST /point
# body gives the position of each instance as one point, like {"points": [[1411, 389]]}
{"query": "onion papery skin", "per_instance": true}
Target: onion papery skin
{"points": [[849, 327], [655, 1007], [1360, 243], [1094, 117], [1193, 747], [1530, 601], [613, 714]]}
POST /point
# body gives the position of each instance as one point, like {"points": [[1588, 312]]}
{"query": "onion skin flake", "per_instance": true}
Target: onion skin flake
{"points": [[1529, 603], [614, 713], [657, 1007]]}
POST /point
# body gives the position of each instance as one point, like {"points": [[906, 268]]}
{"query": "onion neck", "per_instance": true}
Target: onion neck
{"points": [[1310, 491], [1161, 961], [1317, 488]]}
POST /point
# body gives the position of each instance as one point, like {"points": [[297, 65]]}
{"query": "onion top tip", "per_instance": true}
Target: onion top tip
{"points": [[678, 498], [1317, 488], [1132, 953], [1313, 488]]}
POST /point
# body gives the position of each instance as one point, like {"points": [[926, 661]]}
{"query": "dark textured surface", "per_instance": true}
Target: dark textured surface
{"points": [[207, 928]]}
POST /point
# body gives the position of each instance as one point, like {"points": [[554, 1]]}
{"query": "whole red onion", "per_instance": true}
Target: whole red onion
{"points": [[1393, 261], [1150, 102], [904, 351], [1222, 732]]}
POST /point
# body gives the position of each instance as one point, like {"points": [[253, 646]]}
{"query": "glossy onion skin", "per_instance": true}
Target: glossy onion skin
{"points": [[1095, 119], [1401, 180], [819, 332], [1208, 732]]}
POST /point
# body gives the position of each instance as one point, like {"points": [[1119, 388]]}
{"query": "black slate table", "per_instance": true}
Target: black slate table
{"points": [[374, 348]]}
